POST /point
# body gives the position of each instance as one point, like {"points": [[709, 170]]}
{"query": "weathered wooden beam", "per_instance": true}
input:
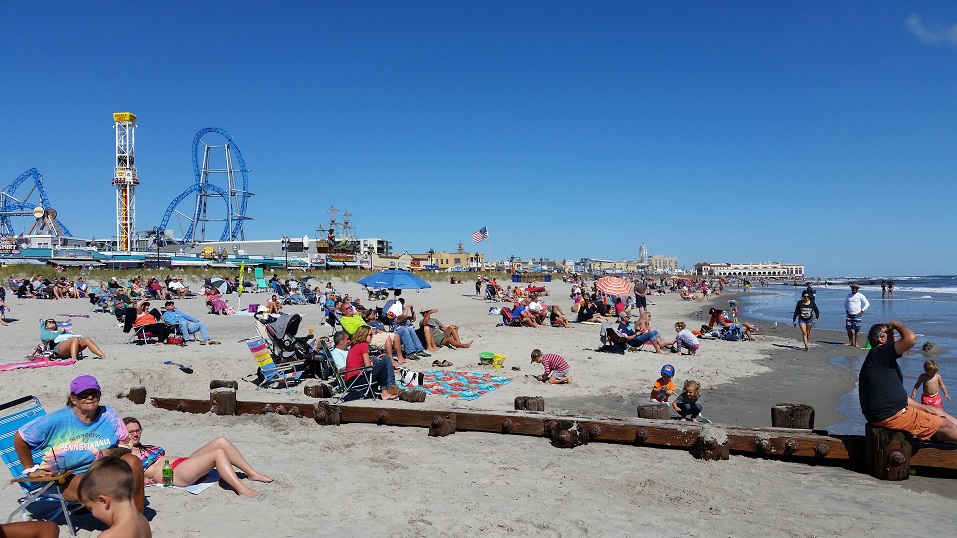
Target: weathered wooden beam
{"points": [[777, 443]]}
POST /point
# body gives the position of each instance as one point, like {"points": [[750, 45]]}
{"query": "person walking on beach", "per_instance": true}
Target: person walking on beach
{"points": [[854, 306], [807, 313], [884, 400]]}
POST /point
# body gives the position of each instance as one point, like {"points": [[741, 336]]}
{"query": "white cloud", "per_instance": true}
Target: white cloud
{"points": [[932, 34]]}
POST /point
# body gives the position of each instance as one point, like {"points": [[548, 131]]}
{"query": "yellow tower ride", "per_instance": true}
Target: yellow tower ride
{"points": [[124, 179]]}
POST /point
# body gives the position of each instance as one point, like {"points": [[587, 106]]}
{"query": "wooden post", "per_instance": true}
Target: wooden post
{"points": [[218, 383], [887, 453], [327, 414], [442, 425], [322, 390], [713, 444], [786, 415], [659, 410], [137, 395], [529, 403], [414, 396], [568, 434], [222, 401]]}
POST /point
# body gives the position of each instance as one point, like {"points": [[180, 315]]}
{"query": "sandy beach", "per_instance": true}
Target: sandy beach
{"points": [[363, 478]]}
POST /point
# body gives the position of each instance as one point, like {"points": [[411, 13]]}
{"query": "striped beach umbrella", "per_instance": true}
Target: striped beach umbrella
{"points": [[614, 286]]}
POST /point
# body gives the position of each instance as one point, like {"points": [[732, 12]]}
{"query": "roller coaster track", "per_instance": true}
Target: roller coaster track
{"points": [[11, 206], [236, 200]]}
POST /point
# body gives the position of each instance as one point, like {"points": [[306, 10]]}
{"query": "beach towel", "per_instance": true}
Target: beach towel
{"points": [[460, 385], [39, 362], [200, 486]]}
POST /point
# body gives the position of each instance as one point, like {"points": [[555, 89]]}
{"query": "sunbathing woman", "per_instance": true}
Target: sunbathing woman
{"points": [[719, 320], [557, 317], [219, 454], [65, 343], [438, 334]]}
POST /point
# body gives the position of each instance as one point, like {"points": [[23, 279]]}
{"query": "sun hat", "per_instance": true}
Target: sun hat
{"points": [[668, 370], [82, 383]]}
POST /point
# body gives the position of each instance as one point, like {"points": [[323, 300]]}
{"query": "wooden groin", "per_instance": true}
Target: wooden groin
{"points": [[566, 431]]}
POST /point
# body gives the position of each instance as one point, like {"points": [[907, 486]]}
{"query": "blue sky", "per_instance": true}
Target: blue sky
{"points": [[815, 132]]}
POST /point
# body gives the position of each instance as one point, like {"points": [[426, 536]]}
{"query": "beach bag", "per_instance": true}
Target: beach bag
{"points": [[175, 340]]}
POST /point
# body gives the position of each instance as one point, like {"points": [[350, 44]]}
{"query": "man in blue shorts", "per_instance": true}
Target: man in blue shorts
{"points": [[854, 306]]}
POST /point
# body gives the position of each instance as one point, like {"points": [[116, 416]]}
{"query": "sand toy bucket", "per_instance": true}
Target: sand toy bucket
{"points": [[486, 357], [498, 361]]}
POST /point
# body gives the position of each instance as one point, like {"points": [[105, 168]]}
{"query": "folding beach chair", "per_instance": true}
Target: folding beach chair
{"points": [[269, 372], [261, 284], [41, 494], [510, 321], [361, 387], [612, 340]]}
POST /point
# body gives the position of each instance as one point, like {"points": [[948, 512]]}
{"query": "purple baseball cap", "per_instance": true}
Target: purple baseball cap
{"points": [[83, 382]]}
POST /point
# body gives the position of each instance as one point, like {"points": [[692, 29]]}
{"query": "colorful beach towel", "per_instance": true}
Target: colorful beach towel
{"points": [[39, 362], [460, 385]]}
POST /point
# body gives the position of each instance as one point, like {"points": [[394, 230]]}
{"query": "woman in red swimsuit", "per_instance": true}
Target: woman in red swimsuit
{"points": [[219, 454]]}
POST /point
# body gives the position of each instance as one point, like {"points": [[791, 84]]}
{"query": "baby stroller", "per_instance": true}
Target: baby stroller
{"points": [[284, 346]]}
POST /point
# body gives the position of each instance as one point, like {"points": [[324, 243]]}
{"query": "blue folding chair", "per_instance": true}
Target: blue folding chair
{"points": [[42, 491]]}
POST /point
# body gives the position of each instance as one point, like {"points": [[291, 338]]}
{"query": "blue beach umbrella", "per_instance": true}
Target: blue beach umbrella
{"points": [[395, 279]]}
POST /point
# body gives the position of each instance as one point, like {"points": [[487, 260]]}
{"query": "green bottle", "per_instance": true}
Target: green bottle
{"points": [[167, 475]]}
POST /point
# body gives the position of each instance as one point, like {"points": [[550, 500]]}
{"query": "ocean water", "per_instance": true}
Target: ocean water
{"points": [[927, 305]]}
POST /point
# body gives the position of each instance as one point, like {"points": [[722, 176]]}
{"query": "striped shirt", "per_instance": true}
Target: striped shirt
{"points": [[554, 362]]}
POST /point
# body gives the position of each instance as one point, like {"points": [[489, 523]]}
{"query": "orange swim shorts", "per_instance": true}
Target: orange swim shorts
{"points": [[920, 423]]}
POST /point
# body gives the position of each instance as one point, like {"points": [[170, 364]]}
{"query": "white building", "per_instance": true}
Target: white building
{"points": [[376, 246], [775, 269]]}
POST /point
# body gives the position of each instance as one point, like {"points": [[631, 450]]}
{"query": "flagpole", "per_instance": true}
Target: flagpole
{"points": [[489, 253]]}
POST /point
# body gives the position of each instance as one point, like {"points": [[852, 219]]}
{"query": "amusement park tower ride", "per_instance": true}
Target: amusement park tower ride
{"points": [[124, 178]]}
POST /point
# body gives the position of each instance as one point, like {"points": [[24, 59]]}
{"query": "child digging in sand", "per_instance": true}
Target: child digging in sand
{"points": [[556, 368], [107, 492], [933, 386], [685, 339], [664, 386], [686, 404]]}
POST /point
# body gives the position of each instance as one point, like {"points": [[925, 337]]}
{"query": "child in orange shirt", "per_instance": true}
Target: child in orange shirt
{"points": [[664, 387]]}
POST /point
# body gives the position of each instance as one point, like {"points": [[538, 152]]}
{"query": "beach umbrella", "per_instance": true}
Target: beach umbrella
{"points": [[219, 284], [614, 286], [394, 279]]}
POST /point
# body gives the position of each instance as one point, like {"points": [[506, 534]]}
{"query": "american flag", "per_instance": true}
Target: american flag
{"points": [[480, 235]]}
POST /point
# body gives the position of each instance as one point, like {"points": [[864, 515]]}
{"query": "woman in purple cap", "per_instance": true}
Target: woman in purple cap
{"points": [[74, 437]]}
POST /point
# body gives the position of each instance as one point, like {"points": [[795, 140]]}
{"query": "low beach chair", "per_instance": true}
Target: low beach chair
{"points": [[510, 321], [361, 387], [270, 373], [41, 495]]}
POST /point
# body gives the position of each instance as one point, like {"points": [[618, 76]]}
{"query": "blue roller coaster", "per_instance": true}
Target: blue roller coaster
{"points": [[234, 197], [12, 206]]}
